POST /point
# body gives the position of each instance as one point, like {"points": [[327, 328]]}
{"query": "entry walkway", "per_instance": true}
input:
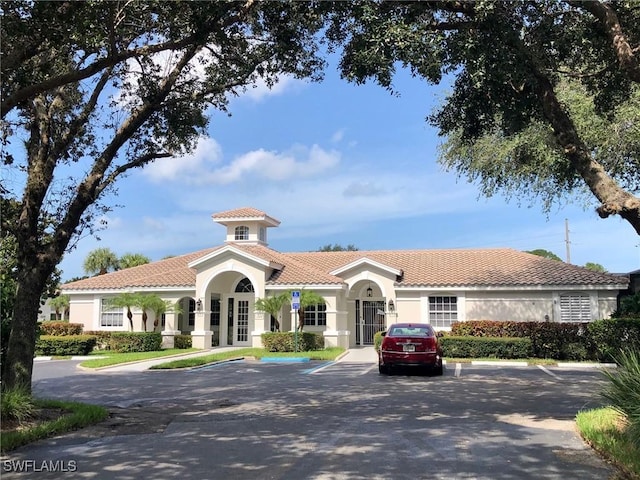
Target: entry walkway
{"points": [[353, 355], [365, 354]]}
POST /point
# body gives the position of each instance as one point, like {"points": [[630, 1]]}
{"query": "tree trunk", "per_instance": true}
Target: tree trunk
{"points": [[130, 317], [18, 367], [301, 319]]}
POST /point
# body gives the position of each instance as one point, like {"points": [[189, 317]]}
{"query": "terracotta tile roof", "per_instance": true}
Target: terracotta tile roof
{"points": [[465, 267], [170, 272], [243, 214], [421, 268]]}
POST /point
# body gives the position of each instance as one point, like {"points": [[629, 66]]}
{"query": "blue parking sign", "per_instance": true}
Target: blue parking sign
{"points": [[295, 300]]}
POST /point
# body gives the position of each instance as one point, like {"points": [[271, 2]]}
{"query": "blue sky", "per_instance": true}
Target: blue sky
{"points": [[337, 163]]}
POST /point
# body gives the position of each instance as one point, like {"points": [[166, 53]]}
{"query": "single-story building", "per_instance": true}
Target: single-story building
{"points": [[365, 291]]}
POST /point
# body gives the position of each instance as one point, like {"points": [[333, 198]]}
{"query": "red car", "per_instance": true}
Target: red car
{"points": [[410, 344]]}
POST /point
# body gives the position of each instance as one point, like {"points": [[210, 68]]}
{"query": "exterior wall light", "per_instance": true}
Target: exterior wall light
{"points": [[199, 305], [392, 306]]}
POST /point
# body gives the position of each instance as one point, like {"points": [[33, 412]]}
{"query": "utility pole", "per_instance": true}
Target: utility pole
{"points": [[566, 239]]}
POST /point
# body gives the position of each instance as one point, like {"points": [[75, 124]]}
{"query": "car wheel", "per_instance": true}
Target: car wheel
{"points": [[383, 369], [438, 370]]}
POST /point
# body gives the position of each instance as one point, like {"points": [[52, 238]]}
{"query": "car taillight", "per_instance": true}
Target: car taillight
{"points": [[390, 344], [431, 344]]}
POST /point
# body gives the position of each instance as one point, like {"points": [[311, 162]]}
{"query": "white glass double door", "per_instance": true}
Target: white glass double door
{"points": [[239, 319]]}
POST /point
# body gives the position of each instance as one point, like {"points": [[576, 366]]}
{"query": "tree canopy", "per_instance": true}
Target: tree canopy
{"points": [[108, 87], [544, 98], [336, 247]]}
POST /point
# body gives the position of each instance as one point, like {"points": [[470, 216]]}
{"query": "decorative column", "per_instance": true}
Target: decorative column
{"points": [[201, 335], [169, 331], [259, 320]]}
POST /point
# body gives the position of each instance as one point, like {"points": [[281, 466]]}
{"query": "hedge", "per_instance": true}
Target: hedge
{"points": [[285, 341], [122, 342], [60, 328], [65, 345], [102, 338], [609, 337], [599, 340], [486, 347], [182, 341]]}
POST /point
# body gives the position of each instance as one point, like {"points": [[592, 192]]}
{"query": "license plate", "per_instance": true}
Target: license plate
{"points": [[409, 348]]}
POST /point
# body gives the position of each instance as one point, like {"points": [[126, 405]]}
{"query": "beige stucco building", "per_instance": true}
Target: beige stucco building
{"points": [[365, 291]]}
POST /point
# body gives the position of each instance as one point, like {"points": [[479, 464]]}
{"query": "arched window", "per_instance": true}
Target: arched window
{"points": [[242, 232], [244, 286]]}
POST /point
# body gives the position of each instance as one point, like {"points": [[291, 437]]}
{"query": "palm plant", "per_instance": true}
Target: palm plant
{"points": [[159, 307], [129, 260], [273, 306], [308, 299], [100, 261], [126, 300], [148, 303], [60, 303]]}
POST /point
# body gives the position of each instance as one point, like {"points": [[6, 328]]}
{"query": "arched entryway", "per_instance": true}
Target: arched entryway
{"points": [[369, 312]]}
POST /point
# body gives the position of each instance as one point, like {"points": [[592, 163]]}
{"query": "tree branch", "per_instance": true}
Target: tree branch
{"points": [[608, 18]]}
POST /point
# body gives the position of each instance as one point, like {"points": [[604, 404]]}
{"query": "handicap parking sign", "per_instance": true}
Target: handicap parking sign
{"points": [[295, 300]]}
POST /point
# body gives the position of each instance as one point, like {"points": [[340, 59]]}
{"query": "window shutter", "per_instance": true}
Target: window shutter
{"points": [[575, 308]]}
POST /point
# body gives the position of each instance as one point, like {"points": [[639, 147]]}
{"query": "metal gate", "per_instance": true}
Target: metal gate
{"points": [[372, 320]]}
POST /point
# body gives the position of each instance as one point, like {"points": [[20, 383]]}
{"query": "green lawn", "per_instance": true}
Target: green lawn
{"points": [[530, 361], [603, 429], [326, 354], [118, 358], [78, 415]]}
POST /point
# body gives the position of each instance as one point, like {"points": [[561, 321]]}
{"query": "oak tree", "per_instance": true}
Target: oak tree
{"points": [[93, 90]]}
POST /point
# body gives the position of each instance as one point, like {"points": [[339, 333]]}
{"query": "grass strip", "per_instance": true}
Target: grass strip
{"points": [[80, 415], [118, 358], [604, 430], [326, 354]]}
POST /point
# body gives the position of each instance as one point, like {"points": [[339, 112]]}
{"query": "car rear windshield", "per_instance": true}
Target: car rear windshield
{"points": [[421, 331]]}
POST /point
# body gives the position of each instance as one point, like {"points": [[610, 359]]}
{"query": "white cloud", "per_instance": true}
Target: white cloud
{"points": [[337, 136], [188, 167], [298, 162], [260, 90]]}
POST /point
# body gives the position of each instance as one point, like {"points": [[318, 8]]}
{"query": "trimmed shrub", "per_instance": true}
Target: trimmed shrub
{"points": [[608, 337], [377, 340], [127, 342], [61, 328], [575, 351], [549, 339], [102, 339], [65, 345], [182, 341], [285, 341], [486, 347]]}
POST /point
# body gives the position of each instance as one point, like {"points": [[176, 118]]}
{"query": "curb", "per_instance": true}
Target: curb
{"points": [[586, 365], [500, 363], [285, 359]]}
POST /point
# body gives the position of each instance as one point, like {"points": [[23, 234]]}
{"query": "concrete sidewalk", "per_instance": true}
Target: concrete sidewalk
{"points": [[146, 364], [360, 355], [353, 355]]}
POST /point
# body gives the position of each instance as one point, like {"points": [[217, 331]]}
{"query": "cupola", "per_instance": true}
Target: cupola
{"points": [[246, 226]]}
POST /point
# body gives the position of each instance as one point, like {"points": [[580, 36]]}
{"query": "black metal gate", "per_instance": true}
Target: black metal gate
{"points": [[372, 320]]}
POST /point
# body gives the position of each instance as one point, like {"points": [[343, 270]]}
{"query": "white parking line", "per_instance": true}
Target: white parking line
{"points": [[549, 372], [458, 369], [368, 369]]}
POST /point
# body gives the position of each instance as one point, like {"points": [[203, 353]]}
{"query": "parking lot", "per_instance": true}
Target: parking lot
{"points": [[325, 420]]}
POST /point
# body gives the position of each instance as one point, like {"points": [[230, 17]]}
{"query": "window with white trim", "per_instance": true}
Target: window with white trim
{"points": [[242, 232], [315, 315], [443, 311], [575, 308], [110, 316]]}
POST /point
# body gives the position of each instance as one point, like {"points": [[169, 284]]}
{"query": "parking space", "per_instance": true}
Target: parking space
{"points": [[317, 420]]}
